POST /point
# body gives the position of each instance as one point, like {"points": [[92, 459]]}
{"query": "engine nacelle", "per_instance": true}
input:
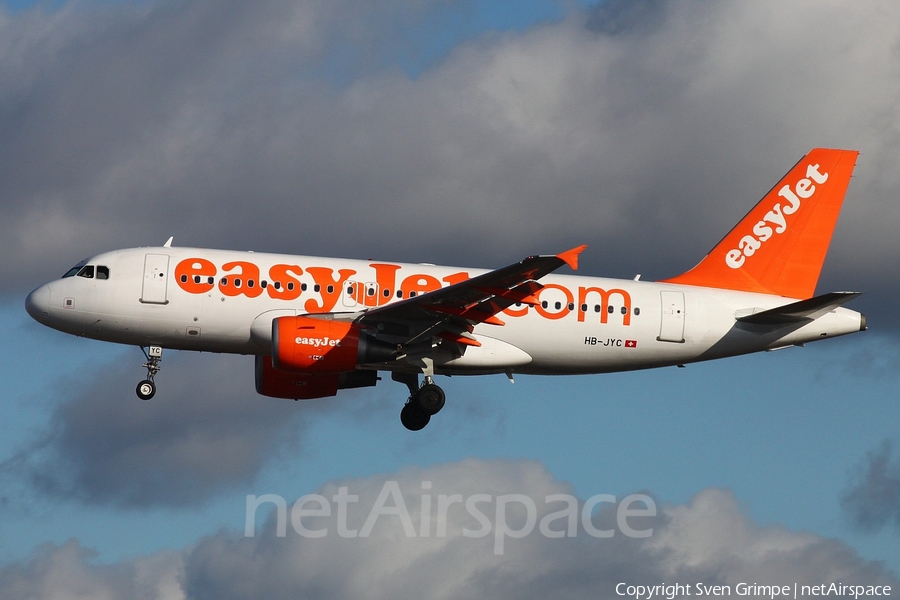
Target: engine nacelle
{"points": [[307, 345], [297, 386]]}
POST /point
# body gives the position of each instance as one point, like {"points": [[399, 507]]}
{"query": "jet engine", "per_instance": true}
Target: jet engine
{"points": [[297, 386], [307, 345]]}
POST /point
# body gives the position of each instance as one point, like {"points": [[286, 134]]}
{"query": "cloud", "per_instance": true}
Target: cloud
{"points": [[873, 498], [707, 540], [644, 129], [206, 431], [66, 572]]}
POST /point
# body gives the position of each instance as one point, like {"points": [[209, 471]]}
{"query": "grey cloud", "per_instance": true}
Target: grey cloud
{"points": [[615, 17], [873, 498], [205, 431], [232, 127], [708, 540]]}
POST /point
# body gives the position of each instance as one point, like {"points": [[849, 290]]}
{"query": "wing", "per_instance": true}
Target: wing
{"points": [[451, 313]]}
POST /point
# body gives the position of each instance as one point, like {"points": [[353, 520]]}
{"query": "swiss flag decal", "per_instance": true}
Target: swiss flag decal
{"points": [[631, 343]]}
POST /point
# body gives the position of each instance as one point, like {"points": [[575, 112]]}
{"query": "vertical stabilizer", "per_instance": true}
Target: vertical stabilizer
{"points": [[780, 246]]}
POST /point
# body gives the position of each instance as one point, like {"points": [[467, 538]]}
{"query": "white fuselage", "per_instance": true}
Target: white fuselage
{"points": [[224, 301]]}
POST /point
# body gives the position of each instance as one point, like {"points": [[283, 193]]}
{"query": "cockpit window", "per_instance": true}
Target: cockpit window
{"points": [[74, 270], [88, 271]]}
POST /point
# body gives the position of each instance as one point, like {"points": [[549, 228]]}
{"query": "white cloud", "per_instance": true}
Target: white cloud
{"points": [[708, 540], [66, 571]]}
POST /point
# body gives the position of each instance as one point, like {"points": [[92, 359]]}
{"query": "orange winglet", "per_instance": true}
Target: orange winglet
{"points": [[570, 257]]}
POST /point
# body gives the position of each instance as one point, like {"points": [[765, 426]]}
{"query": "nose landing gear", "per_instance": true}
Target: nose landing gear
{"points": [[147, 388]]}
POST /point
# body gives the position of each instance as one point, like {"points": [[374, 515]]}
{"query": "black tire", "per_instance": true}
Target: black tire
{"points": [[430, 399], [413, 417], [146, 389]]}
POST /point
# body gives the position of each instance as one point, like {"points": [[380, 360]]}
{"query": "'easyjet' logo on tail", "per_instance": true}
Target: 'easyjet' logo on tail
{"points": [[776, 220]]}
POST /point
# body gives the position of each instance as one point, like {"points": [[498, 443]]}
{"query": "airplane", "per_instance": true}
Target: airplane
{"points": [[319, 325]]}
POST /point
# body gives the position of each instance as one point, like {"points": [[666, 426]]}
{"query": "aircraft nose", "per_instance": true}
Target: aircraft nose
{"points": [[38, 304]]}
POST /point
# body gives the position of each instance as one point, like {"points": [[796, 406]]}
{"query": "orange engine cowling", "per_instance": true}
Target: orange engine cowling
{"points": [[299, 386], [302, 344], [307, 345]]}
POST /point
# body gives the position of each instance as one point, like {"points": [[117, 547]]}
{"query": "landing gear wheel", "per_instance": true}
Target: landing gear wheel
{"points": [[413, 417], [430, 399], [146, 389]]}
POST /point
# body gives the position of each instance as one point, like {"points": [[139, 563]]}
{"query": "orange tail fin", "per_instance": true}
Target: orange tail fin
{"points": [[779, 247]]}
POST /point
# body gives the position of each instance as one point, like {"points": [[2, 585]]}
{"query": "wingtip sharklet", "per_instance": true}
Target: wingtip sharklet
{"points": [[570, 257]]}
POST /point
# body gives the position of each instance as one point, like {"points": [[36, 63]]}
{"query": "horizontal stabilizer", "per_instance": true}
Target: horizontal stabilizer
{"points": [[810, 309]]}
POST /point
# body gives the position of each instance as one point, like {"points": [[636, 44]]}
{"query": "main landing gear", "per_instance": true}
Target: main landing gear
{"points": [[424, 402], [146, 389]]}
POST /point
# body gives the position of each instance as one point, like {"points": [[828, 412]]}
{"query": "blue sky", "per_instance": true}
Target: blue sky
{"points": [[507, 131]]}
